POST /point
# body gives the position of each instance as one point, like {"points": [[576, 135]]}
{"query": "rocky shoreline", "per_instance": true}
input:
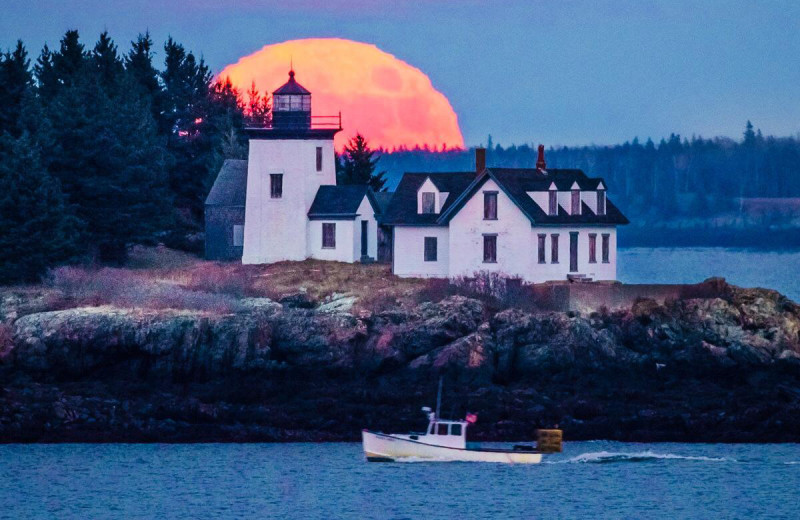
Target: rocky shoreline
{"points": [[723, 369]]}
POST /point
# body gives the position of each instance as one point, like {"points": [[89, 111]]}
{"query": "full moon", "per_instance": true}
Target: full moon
{"points": [[390, 102]]}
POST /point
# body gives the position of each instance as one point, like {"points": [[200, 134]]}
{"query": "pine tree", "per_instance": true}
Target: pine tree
{"points": [[357, 165], [16, 83], [107, 64], [37, 231], [139, 65], [185, 123], [107, 154], [258, 107]]}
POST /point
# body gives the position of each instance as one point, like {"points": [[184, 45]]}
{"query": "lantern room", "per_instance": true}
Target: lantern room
{"points": [[291, 105]]}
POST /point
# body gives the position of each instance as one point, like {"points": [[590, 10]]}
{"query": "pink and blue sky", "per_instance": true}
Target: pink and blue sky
{"points": [[522, 70]]}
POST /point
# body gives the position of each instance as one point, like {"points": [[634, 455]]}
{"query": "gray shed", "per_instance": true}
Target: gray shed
{"points": [[224, 212]]}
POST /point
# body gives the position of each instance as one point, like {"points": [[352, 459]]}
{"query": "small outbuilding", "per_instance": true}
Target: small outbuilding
{"points": [[224, 212]]}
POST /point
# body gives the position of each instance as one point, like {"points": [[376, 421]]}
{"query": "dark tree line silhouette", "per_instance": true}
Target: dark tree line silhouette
{"points": [[652, 182]]}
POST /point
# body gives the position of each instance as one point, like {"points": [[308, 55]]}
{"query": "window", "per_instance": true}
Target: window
{"points": [[489, 249], [542, 240], [429, 202], [553, 209], [606, 240], [455, 429], [601, 202], [319, 158], [554, 248], [576, 202], [592, 248], [442, 429], [433, 429], [430, 249], [489, 205], [276, 185], [329, 235], [238, 235]]}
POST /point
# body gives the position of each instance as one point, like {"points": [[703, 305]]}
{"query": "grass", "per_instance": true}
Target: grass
{"points": [[161, 278]]}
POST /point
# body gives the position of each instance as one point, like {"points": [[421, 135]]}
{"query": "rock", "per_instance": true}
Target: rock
{"points": [[337, 302], [284, 371], [298, 300]]}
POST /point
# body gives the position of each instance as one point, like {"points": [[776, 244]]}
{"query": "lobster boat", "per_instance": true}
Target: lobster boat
{"points": [[446, 440]]}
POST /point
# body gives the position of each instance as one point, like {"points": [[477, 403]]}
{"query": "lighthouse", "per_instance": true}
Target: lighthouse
{"points": [[288, 162]]}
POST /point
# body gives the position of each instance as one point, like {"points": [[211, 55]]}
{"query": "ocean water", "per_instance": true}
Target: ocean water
{"points": [[778, 270], [595, 479]]}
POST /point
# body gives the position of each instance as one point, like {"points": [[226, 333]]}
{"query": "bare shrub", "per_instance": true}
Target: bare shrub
{"points": [[495, 290], [132, 289]]}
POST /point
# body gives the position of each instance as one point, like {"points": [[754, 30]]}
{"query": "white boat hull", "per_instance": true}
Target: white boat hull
{"points": [[386, 447]]}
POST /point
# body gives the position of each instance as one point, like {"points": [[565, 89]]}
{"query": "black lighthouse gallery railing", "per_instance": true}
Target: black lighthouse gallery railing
{"points": [[300, 121]]}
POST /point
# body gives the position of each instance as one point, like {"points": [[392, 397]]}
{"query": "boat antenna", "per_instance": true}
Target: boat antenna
{"points": [[439, 397]]}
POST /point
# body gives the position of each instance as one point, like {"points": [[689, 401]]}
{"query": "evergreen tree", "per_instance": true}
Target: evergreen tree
{"points": [[37, 230], [108, 156], [185, 123], [107, 64], [258, 107], [139, 65], [16, 82], [60, 69], [357, 165]]}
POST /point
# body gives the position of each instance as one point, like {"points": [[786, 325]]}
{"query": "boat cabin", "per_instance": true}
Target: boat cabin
{"points": [[452, 434]]}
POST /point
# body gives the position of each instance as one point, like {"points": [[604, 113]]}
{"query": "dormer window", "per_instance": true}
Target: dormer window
{"points": [[428, 202], [601, 202], [576, 202], [553, 203]]}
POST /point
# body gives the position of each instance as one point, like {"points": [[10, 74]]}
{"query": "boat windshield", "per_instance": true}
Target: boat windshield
{"points": [[445, 428]]}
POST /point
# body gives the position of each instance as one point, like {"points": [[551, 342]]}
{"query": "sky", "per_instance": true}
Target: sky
{"points": [[524, 71]]}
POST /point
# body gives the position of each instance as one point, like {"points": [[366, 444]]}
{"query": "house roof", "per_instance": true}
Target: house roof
{"points": [[341, 202], [230, 187], [515, 183], [383, 198], [291, 87], [402, 209]]}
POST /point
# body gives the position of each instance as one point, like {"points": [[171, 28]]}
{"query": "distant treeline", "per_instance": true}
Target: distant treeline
{"points": [[652, 182]]}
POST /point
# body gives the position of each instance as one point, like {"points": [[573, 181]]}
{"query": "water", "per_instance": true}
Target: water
{"points": [[596, 479], [747, 268]]}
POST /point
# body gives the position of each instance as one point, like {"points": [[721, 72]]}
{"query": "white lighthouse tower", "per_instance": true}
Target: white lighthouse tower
{"points": [[288, 162]]}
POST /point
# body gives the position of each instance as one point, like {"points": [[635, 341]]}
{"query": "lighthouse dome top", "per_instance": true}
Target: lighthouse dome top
{"points": [[291, 87]]}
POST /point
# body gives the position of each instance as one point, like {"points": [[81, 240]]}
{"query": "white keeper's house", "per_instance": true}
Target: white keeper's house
{"points": [[537, 224], [283, 203]]}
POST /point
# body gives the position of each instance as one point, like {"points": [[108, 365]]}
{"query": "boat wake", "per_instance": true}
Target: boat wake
{"points": [[608, 457]]}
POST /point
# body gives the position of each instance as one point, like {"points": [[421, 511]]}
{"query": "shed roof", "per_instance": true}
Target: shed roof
{"points": [[230, 187]]}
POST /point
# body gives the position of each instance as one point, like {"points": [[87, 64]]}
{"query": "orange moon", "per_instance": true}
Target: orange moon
{"points": [[390, 102]]}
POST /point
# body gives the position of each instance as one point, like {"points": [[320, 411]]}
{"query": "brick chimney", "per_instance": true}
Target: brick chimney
{"points": [[540, 164], [480, 159]]}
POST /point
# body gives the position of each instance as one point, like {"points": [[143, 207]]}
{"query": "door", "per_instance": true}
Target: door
{"points": [[573, 252], [364, 237]]}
